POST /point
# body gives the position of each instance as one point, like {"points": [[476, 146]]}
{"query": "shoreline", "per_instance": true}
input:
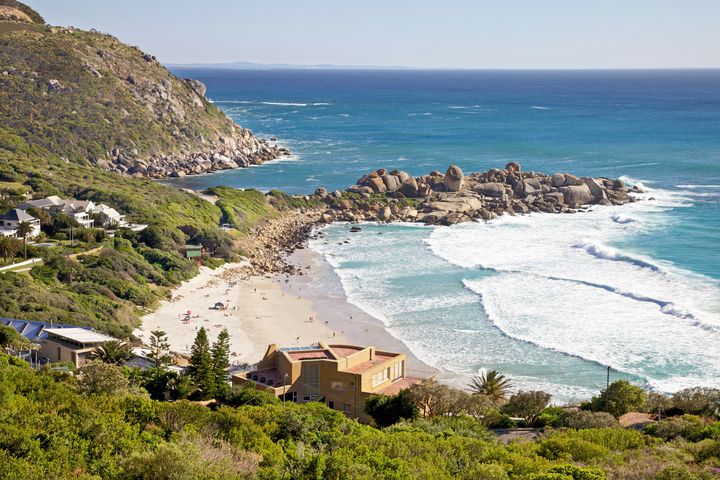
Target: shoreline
{"points": [[301, 304]]}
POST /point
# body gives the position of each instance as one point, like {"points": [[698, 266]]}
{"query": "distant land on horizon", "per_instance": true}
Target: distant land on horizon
{"points": [[242, 65]]}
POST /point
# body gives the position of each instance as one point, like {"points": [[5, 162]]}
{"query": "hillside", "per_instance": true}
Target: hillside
{"points": [[84, 116], [92, 99]]}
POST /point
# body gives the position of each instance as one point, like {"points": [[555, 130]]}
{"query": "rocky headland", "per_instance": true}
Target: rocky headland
{"points": [[93, 100], [451, 198]]}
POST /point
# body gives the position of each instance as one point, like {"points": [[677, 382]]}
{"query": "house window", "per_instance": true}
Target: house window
{"points": [[310, 382], [331, 404], [380, 377], [347, 408], [397, 370], [338, 385]]}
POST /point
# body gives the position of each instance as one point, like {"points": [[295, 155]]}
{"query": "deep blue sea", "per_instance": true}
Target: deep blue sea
{"points": [[550, 300]]}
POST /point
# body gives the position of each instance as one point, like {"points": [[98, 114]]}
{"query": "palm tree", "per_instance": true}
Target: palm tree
{"points": [[115, 352], [8, 248], [491, 384], [24, 229]]}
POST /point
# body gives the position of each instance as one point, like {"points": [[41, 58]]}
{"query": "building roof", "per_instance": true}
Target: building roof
{"points": [[377, 359], [17, 215], [48, 202], [31, 330], [343, 351], [300, 355], [80, 335]]}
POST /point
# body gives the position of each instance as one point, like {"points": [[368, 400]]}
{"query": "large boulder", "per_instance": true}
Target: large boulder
{"points": [[512, 167], [392, 182], [409, 188], [490, 189], [572, 180], [402, 176], [557, 180], [596, 189], [577, 194], [453, 179], [384, 213], [377, 184]]}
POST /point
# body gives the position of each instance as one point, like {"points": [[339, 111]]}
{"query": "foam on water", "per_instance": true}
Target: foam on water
{"points": [[560, 285], [549, 298]]}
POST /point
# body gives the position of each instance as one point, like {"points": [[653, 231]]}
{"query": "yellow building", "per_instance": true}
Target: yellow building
{"points": [[341, 376], [71, 344]]}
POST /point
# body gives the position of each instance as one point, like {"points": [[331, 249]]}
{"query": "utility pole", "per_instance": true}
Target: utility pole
{"points": [[607, 385]]}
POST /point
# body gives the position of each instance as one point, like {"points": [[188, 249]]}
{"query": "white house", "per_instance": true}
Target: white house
{"points": [[113, 218], [78, 209], [10, 221]]}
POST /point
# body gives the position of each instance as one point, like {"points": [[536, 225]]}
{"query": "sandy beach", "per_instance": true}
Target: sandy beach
{"points": [[282, 309], [258, 313]]}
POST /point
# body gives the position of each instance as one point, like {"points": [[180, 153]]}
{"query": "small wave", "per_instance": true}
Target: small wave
{"points": [[604, 252], [617, 218], [538, 107], [285, 104], [693, 186]]}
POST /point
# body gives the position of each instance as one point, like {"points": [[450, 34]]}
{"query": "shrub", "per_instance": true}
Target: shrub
{"points": [[687, 426], [527, 405], [581, 419], [247, 396], [698, 401], [386, 410], [562, 447], [620, 398], [676, 472]]}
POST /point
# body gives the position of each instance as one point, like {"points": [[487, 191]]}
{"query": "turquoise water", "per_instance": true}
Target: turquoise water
{"points": [[548, 299]]}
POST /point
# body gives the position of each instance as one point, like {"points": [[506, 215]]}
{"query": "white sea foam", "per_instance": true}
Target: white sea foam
{"points": [[560, 285], [692, 186], [538, 107]]}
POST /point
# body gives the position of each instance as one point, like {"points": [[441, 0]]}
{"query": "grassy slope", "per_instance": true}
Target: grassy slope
{"points": [[49, 141], [90, 115], [106, 294]]}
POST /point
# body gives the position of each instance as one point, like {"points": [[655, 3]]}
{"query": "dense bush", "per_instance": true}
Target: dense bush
{"points": [[620, 398], [581, 419], [48, 429]]}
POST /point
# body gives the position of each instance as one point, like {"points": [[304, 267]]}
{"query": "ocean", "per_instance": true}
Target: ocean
{"points": [[549, 300]]}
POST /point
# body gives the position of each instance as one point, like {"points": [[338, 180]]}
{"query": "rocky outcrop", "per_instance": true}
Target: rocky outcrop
{"points": [[455, 198], [112, 105]]}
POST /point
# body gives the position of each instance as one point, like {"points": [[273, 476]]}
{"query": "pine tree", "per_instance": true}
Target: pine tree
{"points": [[221, 358], [201, 368], [159, 349]]}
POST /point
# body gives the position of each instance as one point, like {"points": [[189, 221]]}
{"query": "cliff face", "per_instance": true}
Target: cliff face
{"points": [[94, 100]]}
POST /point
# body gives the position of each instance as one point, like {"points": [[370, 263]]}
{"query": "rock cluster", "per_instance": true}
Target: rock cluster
{"points": [[455, 198], [268, 245], [240, 150]]}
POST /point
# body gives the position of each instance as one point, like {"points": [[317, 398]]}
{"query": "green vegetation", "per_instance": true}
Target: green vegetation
{"points": [[131, 271], [100, 424], [80, 94]]}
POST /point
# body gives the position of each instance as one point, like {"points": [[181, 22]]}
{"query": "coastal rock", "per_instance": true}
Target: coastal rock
{"points": [[557, 180], [512, 167], [377, 184], [409, 188], [577, 195], [595, 189], [392, 183], [490, 189], [453, 179]]}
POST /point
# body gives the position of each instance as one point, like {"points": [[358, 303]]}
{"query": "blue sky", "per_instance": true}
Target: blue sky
{"points": [[449, 33]]}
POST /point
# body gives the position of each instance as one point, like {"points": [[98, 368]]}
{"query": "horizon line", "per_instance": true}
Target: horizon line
{"points": [[241, 65]]}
